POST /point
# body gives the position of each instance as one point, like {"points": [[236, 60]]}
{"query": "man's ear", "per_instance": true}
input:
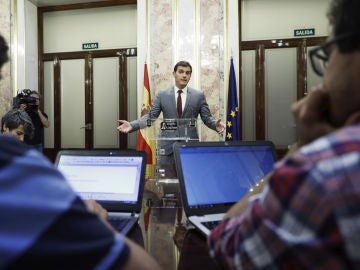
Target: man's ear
{"points": [[5, 128]]}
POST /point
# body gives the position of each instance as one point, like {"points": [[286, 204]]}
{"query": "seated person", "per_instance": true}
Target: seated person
{"points": [[308, 214], [18, 123], [45, 225]]}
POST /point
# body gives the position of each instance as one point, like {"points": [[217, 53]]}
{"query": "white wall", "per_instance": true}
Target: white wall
{"points": [[112, 27], [31, 48], [25, 47], [5, 82], [268, 19]]}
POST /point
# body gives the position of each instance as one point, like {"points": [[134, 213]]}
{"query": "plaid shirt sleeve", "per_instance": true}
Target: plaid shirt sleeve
{"points": [[307, 217]]}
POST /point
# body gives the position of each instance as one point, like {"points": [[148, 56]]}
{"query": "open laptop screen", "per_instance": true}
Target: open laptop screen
{"points": [[103, 178], [222, 173]]}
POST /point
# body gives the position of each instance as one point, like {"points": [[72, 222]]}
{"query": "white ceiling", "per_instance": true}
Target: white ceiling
{"points": [[43, 3]]}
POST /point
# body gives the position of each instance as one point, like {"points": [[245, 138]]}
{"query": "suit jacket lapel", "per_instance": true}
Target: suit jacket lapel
{"points": [[172, 99], [187, 104]]}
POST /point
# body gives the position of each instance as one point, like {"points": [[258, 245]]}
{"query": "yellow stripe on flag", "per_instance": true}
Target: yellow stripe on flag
{"points": [[145, 141]]}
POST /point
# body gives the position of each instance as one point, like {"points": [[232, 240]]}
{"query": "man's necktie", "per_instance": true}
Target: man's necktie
{"points": [[179, 103]]}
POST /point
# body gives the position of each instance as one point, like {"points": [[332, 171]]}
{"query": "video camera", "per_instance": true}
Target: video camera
{"points": [[23, 97]]}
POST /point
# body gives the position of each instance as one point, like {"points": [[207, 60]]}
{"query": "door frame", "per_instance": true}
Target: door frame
{"points": [[57, 57], [88, 57], [259, 46]]}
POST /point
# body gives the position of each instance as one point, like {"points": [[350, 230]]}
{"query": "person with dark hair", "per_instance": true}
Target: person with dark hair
{"points": [[306, 214], [18, 123], [177, 102], [45, 225], [39, 119]]}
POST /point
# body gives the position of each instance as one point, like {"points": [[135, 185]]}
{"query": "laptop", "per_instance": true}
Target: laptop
{"points": [[113, 178], [215, 175]]}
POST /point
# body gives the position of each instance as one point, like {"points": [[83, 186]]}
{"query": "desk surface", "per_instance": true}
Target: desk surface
{"points": [[163, 233]]}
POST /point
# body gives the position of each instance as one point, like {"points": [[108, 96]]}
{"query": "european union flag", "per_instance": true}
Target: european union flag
{"points": [[232, 117]]}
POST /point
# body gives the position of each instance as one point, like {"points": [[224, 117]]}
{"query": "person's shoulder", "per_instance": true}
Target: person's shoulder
{"points": [[11, 147], [165, 93], [195, 92], [345, 140], [166, 90]]}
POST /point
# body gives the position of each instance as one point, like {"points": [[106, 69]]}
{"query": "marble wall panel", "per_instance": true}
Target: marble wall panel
{"points": [[5, 83], [161, 44], [211, 16]]}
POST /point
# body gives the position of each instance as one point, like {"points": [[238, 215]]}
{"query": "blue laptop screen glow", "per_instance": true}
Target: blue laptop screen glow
{"points": [[222, 175]]}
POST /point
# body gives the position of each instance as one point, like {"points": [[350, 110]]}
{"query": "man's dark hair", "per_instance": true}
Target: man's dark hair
{"points": [[182, 64], [34, 92], [16, 117], [344, 17], [3, 51]]}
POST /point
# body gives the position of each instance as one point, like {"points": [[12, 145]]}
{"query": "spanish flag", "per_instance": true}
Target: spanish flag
{"points": [[146, 139]]}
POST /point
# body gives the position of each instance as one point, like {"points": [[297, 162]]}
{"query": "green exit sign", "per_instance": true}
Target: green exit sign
{"points": [[304, 32], [90, 46]]}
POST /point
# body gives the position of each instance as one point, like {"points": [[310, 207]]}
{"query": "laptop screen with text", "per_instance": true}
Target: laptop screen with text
{"points": [[103, 178]]}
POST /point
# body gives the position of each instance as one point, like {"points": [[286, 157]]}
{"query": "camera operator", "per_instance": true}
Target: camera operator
{"points": [[39, 118]]}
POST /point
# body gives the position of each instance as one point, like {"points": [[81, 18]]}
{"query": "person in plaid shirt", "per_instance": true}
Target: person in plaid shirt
{"points": [[306, 214]]}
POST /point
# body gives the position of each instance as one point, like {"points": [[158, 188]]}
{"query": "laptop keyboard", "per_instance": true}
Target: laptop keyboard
{"points": [[119, 223], [211, 224]]}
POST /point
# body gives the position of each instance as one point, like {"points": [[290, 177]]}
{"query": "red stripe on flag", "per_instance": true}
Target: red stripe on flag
{"points": [[147, 84], [142, 144]]}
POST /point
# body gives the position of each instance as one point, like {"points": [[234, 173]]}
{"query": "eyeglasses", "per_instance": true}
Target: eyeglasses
{"points": [[320, 55]]}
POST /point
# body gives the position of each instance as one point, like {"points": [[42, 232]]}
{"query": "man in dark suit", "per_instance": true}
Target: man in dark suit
{"points": [[178, 123]]}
